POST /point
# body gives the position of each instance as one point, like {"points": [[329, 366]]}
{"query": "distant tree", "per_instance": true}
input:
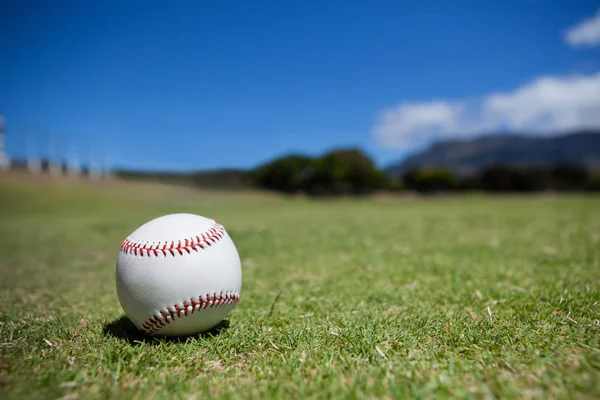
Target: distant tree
{"points": [[429, 180], [346, 171], [536, 179], [288, 174], [330, 173], [593, 184], [502, 178], [510, 178], [468, 182], [395, 185], [570, 176]]}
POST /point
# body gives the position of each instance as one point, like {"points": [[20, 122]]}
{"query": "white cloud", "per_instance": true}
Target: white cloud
{"points": [[408, 124], [546, 105], [585, 33]]}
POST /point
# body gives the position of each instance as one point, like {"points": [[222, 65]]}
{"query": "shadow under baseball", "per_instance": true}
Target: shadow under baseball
{"points": [[123, 329]]}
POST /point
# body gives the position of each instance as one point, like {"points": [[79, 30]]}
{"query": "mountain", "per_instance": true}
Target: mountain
{"points": [[466, 157]]}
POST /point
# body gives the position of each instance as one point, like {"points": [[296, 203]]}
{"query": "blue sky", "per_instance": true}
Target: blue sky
{"points": [[210, 84]]}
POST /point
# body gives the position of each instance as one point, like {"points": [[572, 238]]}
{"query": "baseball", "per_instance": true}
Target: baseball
{"points": [[179, 274]]}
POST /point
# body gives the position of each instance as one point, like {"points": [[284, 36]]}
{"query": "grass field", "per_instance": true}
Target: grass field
{"points": [[467, 297]]}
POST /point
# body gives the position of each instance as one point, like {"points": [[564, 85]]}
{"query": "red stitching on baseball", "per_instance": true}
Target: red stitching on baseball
{"points": [[141, 248], [156, 322]]}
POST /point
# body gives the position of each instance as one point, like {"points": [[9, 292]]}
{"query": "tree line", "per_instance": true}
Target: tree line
{"points": [[345, 171], [351, 172], [504, 178]]}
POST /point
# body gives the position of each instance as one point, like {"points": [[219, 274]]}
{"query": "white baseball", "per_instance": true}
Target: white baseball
{"points": [[178, 274]]}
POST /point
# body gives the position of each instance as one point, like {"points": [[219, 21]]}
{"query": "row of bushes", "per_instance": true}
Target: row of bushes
{"points": [[504, 178], [337, 172], [350, 171]]}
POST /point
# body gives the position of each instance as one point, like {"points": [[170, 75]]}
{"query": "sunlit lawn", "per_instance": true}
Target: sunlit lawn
{"points": [[442, 297]]}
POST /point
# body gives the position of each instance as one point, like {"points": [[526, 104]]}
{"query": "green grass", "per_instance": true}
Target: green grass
{"points": [[468, 297]]}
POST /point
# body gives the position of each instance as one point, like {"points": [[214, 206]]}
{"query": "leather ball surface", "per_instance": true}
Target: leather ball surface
{"points": [[178, 274]]}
